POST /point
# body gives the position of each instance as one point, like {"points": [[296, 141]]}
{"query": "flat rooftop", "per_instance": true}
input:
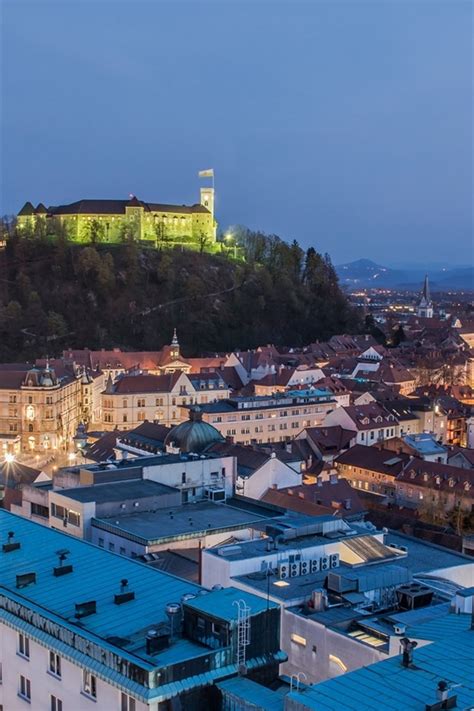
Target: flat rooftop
{"points": [[117, 491], [186, 521]]}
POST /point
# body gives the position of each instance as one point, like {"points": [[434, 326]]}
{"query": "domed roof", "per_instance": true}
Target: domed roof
{"points": [[193, 435]]}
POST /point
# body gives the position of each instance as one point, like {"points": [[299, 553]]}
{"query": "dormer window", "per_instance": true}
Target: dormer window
{"points": [[425, 477], [438, 480], [452, 481]]}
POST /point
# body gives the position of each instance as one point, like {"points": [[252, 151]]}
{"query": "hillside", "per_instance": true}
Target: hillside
{"points": [[365, 273], [56, 294]]}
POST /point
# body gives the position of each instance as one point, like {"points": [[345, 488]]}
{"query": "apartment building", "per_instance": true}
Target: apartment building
{"points": [[275, 418], [132, 399]]}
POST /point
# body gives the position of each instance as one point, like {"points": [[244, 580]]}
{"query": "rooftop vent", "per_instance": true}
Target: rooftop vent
{"points": [[11, 545], [124, 595], [445, 701], [156, 641], [25, 579], [62, 569], [84, 609], [407, 651]]}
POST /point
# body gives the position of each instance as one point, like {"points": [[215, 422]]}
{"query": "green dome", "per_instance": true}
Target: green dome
{"points": [[193, 435]]}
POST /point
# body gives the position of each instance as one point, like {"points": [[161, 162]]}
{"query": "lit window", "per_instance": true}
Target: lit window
{"points": [[297, 639]]}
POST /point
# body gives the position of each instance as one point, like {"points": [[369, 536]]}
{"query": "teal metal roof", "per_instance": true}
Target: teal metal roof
{"points": [[221, 603], [389, 686], [254, 695], [96, 576]]}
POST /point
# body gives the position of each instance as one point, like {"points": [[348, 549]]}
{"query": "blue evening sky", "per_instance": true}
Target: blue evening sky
{"points": [[344, 124]]}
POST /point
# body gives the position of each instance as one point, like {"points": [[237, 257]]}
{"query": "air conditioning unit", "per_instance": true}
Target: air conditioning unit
{"points": [[284, 570], [334, 560], [304, 567], [314, 565], [295, 568], [324, 562]]}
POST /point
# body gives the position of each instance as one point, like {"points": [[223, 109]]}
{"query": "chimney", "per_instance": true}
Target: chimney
{"points": [[319, 480], [333, 478], [407, 651]]}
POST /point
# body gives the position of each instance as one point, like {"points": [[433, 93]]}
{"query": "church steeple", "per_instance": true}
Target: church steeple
{"points": [[175, 345], [425, 305]]}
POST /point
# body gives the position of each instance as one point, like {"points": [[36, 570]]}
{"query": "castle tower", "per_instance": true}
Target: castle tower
{"points": [[207, 199], [425, 305]]}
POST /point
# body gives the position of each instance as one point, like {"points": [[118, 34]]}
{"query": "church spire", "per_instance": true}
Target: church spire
{"points": [[425, 306], [426, 290], [174, 342]]}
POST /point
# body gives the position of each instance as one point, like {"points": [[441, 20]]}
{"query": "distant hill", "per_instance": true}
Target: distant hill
{"points": [[366, 273]]}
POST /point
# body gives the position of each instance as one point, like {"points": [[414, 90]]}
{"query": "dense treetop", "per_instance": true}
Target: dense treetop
{"points": [[55, 294]]}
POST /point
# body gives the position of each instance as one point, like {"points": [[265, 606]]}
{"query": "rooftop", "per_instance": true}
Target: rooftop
{"points": [[187, 521], [389, 685], [117, 491]]}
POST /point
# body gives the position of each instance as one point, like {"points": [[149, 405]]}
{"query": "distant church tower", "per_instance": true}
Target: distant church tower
{"points": [[425, 305]]}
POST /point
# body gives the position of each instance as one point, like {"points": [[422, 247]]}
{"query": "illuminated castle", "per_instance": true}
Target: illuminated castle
{"points": [[118, 220]]}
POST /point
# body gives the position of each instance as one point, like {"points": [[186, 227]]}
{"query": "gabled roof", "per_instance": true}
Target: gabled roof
{"points": [[129, 384], [331, 439], [374, 459], [27, 210]]}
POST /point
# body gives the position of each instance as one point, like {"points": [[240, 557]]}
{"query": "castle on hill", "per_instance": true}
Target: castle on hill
{"points": [[114, 220]]}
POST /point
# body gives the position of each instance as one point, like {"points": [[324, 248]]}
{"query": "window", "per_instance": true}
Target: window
{"points": [[128, 703], [101, 542], [141, 402], [25, 688], [38, 510], [23, 645], [111, 546], [56, 704], [89, 684], [74, 518], [183, 478], [124, 418], [55, 664], [123, 551]]}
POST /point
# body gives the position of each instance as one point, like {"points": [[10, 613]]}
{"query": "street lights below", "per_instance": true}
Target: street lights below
{"points": [[9, 457]]}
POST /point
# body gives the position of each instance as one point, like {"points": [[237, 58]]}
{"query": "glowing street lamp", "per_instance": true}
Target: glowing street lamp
{"points": [[9, 458]]}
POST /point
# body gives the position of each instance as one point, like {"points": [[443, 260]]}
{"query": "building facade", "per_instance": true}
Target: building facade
{"points": [[276, 418], [117, 220], [41, 407]]}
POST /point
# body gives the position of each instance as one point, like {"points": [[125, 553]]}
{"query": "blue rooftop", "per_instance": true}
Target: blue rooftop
{"points": [[221, 603], [424, 443], [390, 686]]}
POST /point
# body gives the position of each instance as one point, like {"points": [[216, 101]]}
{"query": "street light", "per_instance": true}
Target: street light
{"points": [[231, 242], [9, 458]]}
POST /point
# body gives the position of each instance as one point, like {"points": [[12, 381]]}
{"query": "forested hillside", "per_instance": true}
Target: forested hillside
{"points": [[55, 294]]}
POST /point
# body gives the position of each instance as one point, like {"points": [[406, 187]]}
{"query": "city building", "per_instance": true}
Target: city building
{"points": [[372, 469], [262, 419], [259, 470], [431, 669], [132, 399], [371, 423], [86, 626], [41, 406], [115, 220], [436, 488]]}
